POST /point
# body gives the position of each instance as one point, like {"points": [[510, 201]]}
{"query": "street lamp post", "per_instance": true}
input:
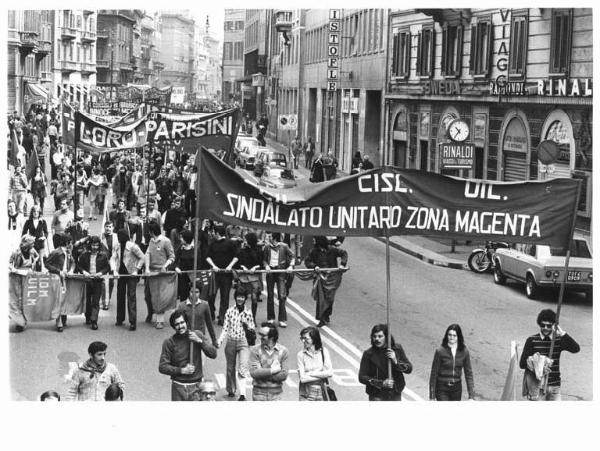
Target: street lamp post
{"points": [[112, 57]]}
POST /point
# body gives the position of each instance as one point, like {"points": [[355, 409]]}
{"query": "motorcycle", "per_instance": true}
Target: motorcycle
{"points": [[481, 260]]}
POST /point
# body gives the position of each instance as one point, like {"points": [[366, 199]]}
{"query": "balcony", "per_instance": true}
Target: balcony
{"points": [[68, 66], [157, 65], [283, 20], [88, 68], [102, 34], [88, 36], [43, 49], [87, 12], [68, 33], [29, 42], [102, 64], [126, 67]]}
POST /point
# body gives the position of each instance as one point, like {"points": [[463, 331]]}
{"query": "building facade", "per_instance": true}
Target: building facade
{"points": [[256, 39], [118, 49], [518, 78], [74, 56], [233, 54], [177, 51], [149, 66], [29, 59]]}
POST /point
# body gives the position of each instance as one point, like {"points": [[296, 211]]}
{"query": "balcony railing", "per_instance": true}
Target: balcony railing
{"points": [[125, 66], [88, 68], [102, 34], [104, 64], [68, 33], [44, 47], [29, 41], [88, 36], [283, 20], [69, 66]]}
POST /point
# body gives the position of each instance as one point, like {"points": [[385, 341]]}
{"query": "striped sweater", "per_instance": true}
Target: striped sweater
{"points": [[537, 343]]}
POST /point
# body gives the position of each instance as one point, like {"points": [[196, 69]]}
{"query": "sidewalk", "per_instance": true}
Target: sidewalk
{"points": [[435, 251]]}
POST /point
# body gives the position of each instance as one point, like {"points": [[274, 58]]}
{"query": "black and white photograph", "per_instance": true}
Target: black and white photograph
{"points": [[333, 202]]}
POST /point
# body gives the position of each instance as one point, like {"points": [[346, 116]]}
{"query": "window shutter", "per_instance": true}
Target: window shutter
{"points": [[420, 53], [490, 49], [407, 51], [395, 55], [473, 50], [431, 52], [459, 50], [445, 49]]}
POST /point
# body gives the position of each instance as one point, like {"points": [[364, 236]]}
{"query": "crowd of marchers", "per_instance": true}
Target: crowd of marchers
{"points": [[149, 228]]}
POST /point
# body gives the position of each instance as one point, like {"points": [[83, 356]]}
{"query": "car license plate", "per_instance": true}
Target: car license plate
{"points": [[574, 276]]}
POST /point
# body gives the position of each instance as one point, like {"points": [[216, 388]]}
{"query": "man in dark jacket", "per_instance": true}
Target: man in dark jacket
{"points": [[186, 375], [373, 370], [277, 255], [93, 263]]}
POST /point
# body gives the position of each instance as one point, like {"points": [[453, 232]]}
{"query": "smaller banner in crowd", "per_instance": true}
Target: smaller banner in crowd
{"points": [[393, 200], [100, 138], [73, 302], [164, 292], [33, 296]]}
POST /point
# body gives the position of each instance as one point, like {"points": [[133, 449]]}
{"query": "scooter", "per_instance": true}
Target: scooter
{"points": [[481, 260]]}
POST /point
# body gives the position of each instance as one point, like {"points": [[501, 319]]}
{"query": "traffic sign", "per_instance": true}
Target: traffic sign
{"points": [[283, 122], [293, 121]]}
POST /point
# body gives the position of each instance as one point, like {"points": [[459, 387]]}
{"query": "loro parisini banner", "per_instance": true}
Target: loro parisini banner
{"points": [[402, 201]]}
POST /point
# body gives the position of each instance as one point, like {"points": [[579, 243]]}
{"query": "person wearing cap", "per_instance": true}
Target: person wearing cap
{"points": [[23, 260], [93, 263], [237, 319], [186, 374], [129, 260], [268, 364], [208, 391]]}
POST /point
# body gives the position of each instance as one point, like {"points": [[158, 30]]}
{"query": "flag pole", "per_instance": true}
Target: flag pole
{"points": [[388, 295], [564, 280], [148, 175], [196, 246]]}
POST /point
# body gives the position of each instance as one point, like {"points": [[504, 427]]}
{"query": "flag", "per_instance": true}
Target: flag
{"points": [[14, 148], [163, 288], [74, 296], [511, 386], [32, 163]]}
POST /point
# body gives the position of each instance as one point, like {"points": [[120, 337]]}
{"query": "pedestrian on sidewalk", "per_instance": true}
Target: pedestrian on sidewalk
{"points": [[373, 372], [366, 163], [449, 361], [94, 376], [238, 319], [268, 365], [314, 365], [277, 255], [356, 166], [129, 262], [325, 255], [186, 375], [295, 151], [309, 153], [537, 368]]}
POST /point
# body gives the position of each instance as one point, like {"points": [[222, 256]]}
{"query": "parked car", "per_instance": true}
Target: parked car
{"points": [[277, 177], [269, 158], [246, 150], [541, 266]]}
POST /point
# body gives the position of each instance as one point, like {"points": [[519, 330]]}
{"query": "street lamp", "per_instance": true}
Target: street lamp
{"points": [[112, 57]]}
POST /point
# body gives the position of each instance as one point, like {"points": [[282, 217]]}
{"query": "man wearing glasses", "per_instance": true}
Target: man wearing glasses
{"points": [[268, 364], [540, 343]]}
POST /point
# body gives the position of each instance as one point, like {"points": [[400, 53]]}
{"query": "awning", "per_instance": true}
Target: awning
{"points": [[36, 92]]}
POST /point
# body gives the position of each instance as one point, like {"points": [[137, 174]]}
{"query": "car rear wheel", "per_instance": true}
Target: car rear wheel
{"points": [[531, 288], [499, 277]]}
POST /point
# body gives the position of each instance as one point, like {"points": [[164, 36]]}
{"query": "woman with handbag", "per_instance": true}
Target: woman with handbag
{"points": [[314, 367], [236, 329]]}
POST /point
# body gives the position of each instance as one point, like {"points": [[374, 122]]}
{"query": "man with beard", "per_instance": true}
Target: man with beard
{"points": [[120, 216], [95, 264], [186, 375], [129, 261], [373, 372], [94, 376]]}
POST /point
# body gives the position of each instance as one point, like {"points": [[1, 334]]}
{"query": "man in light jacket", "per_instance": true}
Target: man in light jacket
{"points": [[129, 260]]}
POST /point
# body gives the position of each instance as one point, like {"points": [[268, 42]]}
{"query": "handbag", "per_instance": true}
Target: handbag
{"points": [[328, 392], [250, 334]]}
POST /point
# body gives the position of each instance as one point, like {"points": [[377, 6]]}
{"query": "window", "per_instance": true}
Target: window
{"points": [[239, 24], [228, 25], [425, 53], [451, 50], [401, 54], [518, 46], [238, 50], [560, 50], [481, 47], [227, 51]]}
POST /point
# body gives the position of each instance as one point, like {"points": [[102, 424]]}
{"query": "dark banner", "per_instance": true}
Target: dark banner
{"points": [[106, 108], [68, 124], [190, 131], [403, 201], [99, 138]]}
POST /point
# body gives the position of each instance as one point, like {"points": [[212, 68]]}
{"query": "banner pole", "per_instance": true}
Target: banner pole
{"points": [[564, 280], [388, 291], [196, 247], [148, 182]]}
